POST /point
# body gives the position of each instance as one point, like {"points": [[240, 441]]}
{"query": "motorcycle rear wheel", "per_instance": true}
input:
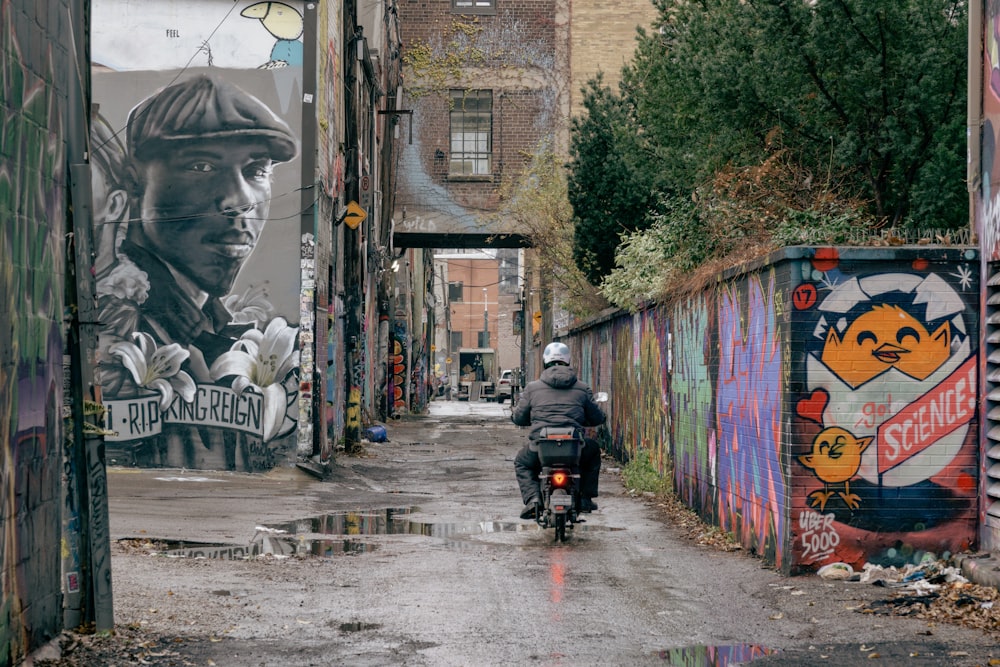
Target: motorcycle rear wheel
{"points": [[560, 520]]}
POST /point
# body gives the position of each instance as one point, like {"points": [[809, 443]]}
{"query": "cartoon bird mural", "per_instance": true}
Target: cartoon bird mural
{"points": [[286, 25], [886, 336], [835, 458]]}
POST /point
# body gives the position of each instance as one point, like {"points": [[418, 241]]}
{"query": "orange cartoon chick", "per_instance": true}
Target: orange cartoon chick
{"points": [[835, 458], [886, 337]]}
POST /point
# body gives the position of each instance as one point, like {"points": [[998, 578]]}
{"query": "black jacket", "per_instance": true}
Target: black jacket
{"points": [[558, 399]]}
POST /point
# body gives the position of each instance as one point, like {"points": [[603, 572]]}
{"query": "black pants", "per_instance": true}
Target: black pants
{"points": [[527, 468]]}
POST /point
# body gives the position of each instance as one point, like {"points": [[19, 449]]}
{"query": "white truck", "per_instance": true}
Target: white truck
{"points": [[476, 374]]}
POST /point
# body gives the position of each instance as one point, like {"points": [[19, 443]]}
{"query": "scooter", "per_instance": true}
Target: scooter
{"points": [[559, 453], [559, 506]]}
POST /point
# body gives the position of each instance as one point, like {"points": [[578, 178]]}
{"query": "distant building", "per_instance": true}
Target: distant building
{"points": [[488, 83]]}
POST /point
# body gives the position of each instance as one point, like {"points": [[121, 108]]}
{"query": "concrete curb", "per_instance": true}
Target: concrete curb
{"points": [[981, 568]]}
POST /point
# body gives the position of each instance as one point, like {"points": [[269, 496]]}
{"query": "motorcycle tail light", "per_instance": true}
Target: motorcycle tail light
{"points": [[559, 479]]}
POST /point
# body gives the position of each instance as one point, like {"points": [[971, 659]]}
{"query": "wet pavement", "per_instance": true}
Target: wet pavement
{"points": [[413, 554]]}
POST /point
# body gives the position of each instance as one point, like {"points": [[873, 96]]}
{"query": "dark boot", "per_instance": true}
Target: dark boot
{"points": [[526, 469], [587, 505]]}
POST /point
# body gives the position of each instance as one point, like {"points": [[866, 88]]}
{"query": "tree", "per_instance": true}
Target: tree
{"points": [[609, 189], [858, 101], [535, 204]]}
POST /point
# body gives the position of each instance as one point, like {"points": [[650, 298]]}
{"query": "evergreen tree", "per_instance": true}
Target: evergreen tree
{"points": [[862, 101], [610, 190]]}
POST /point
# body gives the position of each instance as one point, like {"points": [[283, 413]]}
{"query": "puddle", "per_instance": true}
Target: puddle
{"points": [[331, 535], [713, 656], [261, 546], [394, 521]]}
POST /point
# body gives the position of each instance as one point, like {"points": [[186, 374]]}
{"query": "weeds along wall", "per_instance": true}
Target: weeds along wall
{"points": [[820, 404]]}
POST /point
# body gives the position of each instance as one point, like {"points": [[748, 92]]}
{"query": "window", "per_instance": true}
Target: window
{"points": [[508, 271], [474, 6], [471, 133], [455, 291], [456, 340]]}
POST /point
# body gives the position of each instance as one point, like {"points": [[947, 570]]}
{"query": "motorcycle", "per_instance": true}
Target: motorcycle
{"points": [[559, 453]]}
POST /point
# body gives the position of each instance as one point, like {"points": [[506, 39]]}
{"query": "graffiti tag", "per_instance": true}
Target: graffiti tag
{"points": [[819, 537]]}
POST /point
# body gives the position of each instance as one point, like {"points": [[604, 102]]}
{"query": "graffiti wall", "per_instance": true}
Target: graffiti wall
{"points": [[33, 225], [398, 375], [820, 409], [330, 161], [884, 453], [628, 357], [988, 212], [751, 483], [197, 215]]}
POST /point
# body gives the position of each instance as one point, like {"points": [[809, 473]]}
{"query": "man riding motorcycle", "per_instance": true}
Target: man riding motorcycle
{"points": [[557, 399]]}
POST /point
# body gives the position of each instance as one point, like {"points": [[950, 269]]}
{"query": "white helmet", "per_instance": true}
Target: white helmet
{"points": [[555, 353]]}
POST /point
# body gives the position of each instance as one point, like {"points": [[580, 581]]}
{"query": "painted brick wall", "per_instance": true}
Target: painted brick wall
{"points": [[820, 405], [33, 103], [241, 236]]}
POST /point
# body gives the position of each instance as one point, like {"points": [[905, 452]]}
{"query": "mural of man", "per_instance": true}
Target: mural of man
{"points": [[201, 154], [199, 160], [110, 197]]}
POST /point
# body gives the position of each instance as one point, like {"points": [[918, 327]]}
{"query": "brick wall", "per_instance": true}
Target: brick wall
{"points": [[512, 54], [602, 39], [33, 103], [868, 353], [433, 22]]}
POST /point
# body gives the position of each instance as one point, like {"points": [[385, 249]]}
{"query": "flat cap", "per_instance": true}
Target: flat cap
{"points": [[203, 108]]}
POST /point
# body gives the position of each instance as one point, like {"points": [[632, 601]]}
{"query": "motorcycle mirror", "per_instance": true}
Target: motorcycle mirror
{"points": [[601, 397]]}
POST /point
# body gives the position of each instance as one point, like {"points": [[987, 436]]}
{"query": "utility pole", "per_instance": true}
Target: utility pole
{"points": [[90, 600], [353, 276]]}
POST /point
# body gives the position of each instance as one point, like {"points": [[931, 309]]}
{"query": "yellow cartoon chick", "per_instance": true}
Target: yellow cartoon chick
{"points": [[835, 458]]}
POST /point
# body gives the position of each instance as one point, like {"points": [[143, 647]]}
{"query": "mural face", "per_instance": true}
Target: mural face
{"points": [[884, 439], [198, 367]]}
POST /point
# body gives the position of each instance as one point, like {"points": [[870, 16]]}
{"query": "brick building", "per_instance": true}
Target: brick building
{"points": [[488, 84]]}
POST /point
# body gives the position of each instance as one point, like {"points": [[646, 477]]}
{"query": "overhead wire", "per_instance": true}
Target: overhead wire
{"points": [[213, 214], [187, 65]]}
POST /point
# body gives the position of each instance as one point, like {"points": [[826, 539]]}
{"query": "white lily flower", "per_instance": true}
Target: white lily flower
{"points": [[261, 361], [251, 307], [156, 368]]}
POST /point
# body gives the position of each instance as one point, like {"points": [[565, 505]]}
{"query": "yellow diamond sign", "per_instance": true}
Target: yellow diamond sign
{"points": [[355, 215]]}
